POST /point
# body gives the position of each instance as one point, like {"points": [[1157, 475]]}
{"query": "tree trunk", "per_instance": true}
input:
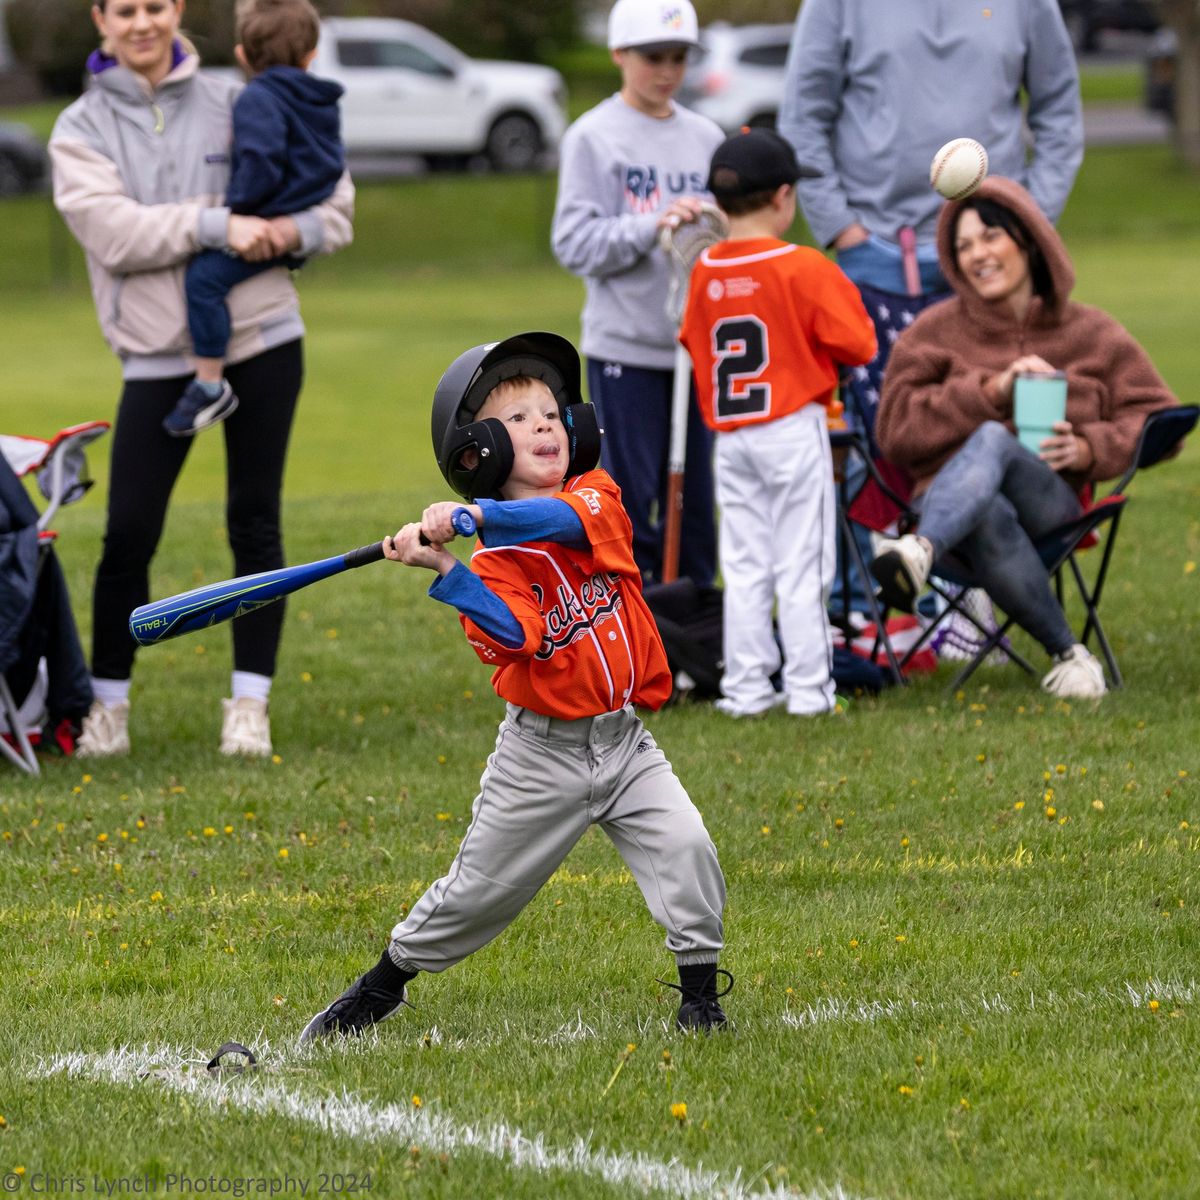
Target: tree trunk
{"points": [[1183, 16]]}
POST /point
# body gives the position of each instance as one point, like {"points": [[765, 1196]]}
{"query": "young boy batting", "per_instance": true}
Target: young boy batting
{"points": [[287, 157], [767, 324], [553, 601]]}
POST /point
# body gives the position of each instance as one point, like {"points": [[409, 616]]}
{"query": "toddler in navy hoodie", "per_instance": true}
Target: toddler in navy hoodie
{"points": [[287, 156]]}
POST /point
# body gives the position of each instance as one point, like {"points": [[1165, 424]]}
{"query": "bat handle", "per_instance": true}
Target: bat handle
{"points": [[463, 522], [364, 555]]}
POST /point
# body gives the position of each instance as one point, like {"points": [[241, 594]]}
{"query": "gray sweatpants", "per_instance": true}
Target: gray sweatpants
{"points": [[545, 783]]}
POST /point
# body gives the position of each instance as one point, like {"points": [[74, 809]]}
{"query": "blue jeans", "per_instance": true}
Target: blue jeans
{"points": [[987, 504], [210, 277]]}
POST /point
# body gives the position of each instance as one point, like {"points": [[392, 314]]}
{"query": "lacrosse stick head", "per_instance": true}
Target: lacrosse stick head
{"points": [[683, 244]]}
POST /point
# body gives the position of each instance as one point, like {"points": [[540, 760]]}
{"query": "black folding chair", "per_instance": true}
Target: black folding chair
{"points": [[1059, 549]]}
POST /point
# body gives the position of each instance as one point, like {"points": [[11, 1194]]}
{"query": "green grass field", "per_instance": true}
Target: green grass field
{"points": [[963, 926]]}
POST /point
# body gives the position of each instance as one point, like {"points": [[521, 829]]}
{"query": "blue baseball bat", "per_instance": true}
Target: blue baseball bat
{"points": [[217, 602]]}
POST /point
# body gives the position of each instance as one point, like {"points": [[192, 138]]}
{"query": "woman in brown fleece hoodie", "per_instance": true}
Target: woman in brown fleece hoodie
{"points": [[946, 416]]}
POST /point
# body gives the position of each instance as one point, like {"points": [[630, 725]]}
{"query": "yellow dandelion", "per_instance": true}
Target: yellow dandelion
{"points": [[76, 790], [854, 943], [306, 677], [416, 1100], [904, 843], [283, 852], [905, 1090], [209, 831], [249, 816], [331, 634], [443, 816], [3, 1122], [102, 838], [228, 828], [123, 946], [902, 937], [1060, 769], [963, 1102], [1098, 805], [1051, 811], [838, 823], [1153, 1006], [18, 1170], [87, 779], [276, 759], [679, 1112], [155, 897], [1189, 567], [981, 758], [1184, 825], [1020, 804], [60, 826], [178, 790]]}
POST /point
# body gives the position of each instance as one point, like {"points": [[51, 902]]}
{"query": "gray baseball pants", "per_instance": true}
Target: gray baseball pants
{"points": [[545, 783]]}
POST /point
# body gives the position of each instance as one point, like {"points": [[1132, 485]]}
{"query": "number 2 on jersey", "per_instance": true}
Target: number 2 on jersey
{"points": [[740, 354]]}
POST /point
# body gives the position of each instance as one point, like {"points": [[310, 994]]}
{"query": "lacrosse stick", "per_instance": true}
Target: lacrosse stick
{"points": [[682, 244]]}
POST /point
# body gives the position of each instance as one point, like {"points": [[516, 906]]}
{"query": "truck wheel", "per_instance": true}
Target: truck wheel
{"points": [[514, 143]]}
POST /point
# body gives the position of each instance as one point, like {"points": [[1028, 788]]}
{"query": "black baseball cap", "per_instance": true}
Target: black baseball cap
{"points": [[754, 160]]}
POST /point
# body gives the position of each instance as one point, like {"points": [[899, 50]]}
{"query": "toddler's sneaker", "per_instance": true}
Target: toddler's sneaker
{"points": [[731, 708], [901, 567], [246, 728], [201, 405], [105, 731], [1076, 675], [370, 999]]}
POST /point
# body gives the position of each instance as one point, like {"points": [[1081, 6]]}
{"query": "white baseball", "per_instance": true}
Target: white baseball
{"points": [[958, 168]]}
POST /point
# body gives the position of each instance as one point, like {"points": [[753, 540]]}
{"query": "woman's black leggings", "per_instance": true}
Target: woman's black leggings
{"points": [[146, 461]]}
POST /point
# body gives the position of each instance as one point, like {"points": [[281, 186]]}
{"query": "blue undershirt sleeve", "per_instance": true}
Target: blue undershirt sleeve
{"points": [[461, 588], [542, 519]]}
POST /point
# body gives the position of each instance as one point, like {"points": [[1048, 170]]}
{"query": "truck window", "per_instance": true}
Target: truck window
{"points": [[363, 52]]}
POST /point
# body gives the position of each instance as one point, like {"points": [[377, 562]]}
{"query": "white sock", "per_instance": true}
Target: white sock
{"points": [[110, 692], [247, 683]]}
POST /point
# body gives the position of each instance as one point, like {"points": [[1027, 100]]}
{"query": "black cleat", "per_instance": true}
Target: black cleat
{"points": [[367, 1001], [701, 1006]]}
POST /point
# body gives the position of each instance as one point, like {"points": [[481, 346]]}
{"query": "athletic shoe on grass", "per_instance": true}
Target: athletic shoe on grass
{"points": [[105, 731], [198, 408], [1076, 675], [731, 708], [901, 567], [246, 729], [370, 999], [701, 1005]]}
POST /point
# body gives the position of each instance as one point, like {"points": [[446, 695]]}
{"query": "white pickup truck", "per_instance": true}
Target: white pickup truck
{"points": [[410, 92]]}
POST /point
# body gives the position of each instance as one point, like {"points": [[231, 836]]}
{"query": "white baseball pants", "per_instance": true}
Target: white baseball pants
{"points": [[546, 781], [775, 491]]}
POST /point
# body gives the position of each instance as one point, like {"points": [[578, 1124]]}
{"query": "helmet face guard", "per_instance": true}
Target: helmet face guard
{"points": [[466, 385]]}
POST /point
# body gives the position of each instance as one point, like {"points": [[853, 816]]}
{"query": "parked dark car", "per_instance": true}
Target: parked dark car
{"points": [[23, 161], [1087, 19], [1160, 73]]}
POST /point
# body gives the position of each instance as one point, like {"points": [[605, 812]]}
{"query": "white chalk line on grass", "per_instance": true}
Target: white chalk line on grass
{"points": [[346, 1115], [819, 1012]]}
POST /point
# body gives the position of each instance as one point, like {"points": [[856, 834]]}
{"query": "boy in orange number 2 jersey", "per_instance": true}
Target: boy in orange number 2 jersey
{"points": [[552, 600], [767, 325]]}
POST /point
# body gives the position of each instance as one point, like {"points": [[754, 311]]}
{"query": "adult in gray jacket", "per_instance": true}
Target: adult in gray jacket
{"points": [[872, 91], [140, 165]]}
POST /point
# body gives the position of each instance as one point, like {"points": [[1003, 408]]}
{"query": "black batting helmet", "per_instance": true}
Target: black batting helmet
{"points": [[465, 386]]}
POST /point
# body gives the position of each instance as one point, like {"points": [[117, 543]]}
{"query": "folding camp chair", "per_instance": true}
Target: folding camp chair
{"points": [[1058, 550], [42, 662]]}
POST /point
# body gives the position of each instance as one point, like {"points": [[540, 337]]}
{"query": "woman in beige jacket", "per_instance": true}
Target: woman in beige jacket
{"points": [[140, 165]]}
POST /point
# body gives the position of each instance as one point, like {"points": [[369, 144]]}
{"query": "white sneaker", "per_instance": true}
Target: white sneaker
{"points": [[731, 708], [1076, 675], [105, 731], [246, 729], [901, 567]]}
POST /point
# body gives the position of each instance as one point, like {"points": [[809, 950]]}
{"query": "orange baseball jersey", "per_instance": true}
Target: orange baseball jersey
{"points": [[767, 323], [591, 645]]}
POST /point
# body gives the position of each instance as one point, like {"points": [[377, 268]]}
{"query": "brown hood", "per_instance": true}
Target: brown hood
{"points": [[1014, 197]]}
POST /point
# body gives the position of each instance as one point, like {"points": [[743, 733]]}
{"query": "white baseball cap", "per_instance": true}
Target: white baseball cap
{"points": [[640, 23]]}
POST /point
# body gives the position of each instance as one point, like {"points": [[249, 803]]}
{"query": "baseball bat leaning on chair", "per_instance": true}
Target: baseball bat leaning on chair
{"points": [[217, 602]]}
